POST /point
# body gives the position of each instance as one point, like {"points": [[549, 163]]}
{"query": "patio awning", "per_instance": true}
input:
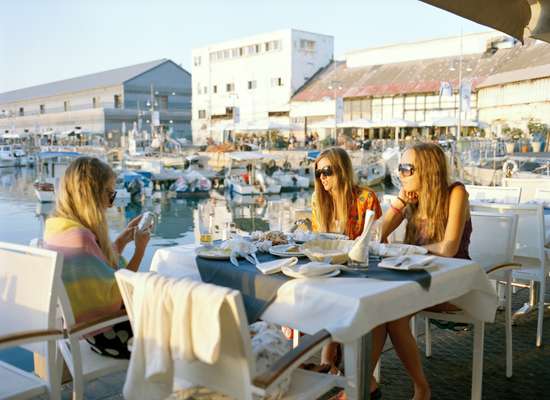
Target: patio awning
{"points": [[518, 18], [393, 123], [356, 123], [327, 124], [452, 121]]}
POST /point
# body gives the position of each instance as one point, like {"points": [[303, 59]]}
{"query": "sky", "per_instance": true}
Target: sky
{"points": [[43, 41]]}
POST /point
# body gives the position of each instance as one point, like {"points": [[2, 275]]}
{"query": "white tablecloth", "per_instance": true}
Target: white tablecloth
{"points": [[350, 307]]}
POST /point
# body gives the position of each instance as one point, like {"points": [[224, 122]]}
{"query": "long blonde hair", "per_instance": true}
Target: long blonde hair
{"points": [[427, 218], [81, 197], [336, 208]]}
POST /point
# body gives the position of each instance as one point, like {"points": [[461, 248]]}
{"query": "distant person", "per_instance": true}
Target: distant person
{"points": [[78, 229]]}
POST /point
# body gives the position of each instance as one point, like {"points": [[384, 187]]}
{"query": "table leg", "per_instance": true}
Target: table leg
{"points": [[357, 355]]}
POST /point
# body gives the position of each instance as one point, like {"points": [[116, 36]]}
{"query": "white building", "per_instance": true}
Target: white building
{"points": [[252, 79]]}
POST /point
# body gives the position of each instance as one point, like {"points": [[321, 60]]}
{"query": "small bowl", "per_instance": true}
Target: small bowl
{"points": [[319, 250]]}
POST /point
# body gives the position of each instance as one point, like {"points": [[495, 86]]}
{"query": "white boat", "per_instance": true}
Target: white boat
{"points": [[51, 167], [243, 178], [13, 155], [372, 173], [290, 181]]}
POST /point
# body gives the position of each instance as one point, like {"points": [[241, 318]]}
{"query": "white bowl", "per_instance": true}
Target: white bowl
{"points": [[319, 250]]}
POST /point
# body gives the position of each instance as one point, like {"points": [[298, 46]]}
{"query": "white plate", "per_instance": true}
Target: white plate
{"points": [[213, 253], [281, 251], [293, 274]]}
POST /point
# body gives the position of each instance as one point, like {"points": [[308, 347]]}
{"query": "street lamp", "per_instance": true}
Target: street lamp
{"points": [[335, 86]]}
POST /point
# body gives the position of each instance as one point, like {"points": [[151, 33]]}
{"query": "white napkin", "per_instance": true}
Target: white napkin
{"points": [[272, 267], [241, 247], [408, 263], [313, 268], [359, 249], [395, 249]]}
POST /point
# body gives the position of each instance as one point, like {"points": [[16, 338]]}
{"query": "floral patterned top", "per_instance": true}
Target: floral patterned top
{"points": [[364, 199]]}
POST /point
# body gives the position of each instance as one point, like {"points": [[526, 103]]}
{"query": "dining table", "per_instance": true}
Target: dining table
{"points": [[348, 305]]}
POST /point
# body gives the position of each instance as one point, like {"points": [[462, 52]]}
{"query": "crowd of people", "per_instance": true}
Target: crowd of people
{"points": [[436, 210]]}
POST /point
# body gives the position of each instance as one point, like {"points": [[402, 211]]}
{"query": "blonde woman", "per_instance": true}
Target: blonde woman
{"points": [[438, 218], [78, 229], [339, 205]]}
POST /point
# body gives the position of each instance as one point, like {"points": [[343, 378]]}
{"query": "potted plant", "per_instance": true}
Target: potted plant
{"points": [[511, 136], [538, 132]]}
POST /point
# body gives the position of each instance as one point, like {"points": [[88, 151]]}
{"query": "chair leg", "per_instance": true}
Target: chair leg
{"points": [[542, 289], [413, 327], [477, 360], [508, 325], [55, 370], [428, 336]]}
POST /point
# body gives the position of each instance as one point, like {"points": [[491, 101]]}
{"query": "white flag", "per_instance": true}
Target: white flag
{"points": [[445, 89], [466, 94]]}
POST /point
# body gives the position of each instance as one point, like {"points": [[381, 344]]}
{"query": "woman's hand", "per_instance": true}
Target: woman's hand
{"points": [[141, 238], [127, 235], [408, 197]]}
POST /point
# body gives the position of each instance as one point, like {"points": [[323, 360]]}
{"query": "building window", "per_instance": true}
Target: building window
{"points": [[276, 82], [234, 53], [257, 48], [197, 61], [199, 88], [202, 114], [215, 89], [276, 45], [308, 45], [21, 111], [163, 102], [230, 87], [252, 84], [241, 51], [42, 109], [118, 103], [94, 102], [205, 90], [226, 54], [251, 50], [66, 105], [267, 46]]}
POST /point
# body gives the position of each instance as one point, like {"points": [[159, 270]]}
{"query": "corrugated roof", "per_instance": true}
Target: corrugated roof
{"points": [[100, 79], [424, 76]]}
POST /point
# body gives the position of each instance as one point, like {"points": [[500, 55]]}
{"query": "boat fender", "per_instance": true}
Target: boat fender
{"points": [[509, 167]]}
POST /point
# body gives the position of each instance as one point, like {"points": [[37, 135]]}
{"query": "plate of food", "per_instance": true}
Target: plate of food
{"points": [[287, 250], [213, 253]]}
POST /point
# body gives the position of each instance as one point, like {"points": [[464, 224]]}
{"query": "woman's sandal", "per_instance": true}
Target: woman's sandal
{"points": [[450, 325]]}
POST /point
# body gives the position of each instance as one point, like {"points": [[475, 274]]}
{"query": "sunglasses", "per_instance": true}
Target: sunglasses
{"points": [[112, 196], [406, 169], [326, 171]]}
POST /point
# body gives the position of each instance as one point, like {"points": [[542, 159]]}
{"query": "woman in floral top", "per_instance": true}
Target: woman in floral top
{"points": [[339, 206]]}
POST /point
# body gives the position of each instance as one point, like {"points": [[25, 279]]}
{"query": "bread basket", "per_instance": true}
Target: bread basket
{"points": [[319, 250]]}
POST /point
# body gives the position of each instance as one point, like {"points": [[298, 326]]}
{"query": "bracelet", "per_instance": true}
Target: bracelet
{"points": [[397, 210], [402, 201]]}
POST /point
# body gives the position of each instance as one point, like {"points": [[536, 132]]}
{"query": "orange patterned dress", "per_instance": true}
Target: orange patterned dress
{"points": [[364, 199]]}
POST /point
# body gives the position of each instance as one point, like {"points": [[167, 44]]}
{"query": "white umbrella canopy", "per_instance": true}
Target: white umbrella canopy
{"points": [[451, 121], [327, 123], [356, 123], [518, 18], [393, 123], [266, 125]]}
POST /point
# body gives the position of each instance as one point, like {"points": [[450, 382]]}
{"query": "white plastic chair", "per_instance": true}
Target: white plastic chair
{"points": [[529, 250], [494, 252], [495, 194], [528, 186], [84, 364], [27, 317], [234, 372], [542, 195]]}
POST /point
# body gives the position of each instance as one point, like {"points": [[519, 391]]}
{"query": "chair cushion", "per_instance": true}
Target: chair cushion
{"points": [[268, 345]]}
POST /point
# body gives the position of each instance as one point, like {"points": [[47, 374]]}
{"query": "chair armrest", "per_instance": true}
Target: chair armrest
{"points": [[296, 356], [83, 328], [20, 338], [503, 267]]}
